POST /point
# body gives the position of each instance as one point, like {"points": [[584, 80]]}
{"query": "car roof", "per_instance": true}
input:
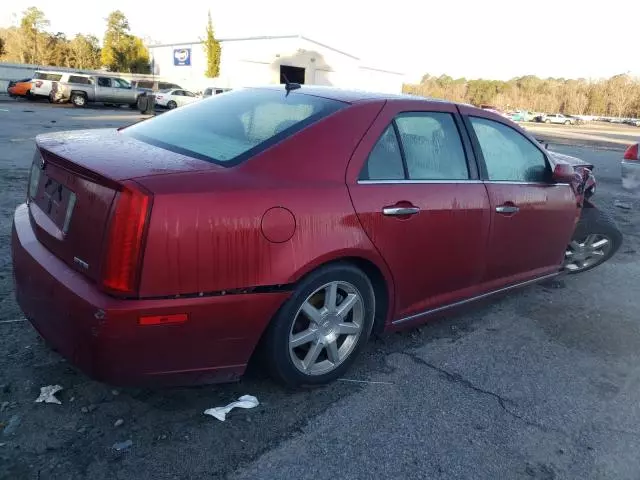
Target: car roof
{"points": [[350, 95]]}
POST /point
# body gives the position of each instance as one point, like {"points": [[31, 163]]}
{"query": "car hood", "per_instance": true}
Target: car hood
{"points": [[118, 156], [562, 158]]}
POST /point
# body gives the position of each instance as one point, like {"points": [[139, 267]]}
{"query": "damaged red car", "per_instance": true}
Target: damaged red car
{"points": [[289, 222]]}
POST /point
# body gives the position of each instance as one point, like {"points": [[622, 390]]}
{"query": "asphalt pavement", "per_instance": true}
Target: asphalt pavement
{"points": [[543, 383]]}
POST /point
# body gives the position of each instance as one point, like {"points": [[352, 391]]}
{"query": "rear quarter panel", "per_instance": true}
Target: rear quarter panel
{"points": [[205, 233]]}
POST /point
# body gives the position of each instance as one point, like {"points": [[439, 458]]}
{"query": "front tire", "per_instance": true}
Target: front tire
{"points": [[318, 333], [595, 240]]}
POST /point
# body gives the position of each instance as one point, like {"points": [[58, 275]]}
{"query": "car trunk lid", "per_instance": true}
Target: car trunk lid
{"points": [[74, 180]]}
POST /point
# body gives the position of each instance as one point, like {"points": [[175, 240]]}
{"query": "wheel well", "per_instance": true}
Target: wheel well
{"points": [[78, 92], [380, 290]]}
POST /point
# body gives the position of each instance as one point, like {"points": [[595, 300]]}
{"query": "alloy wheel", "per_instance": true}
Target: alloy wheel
{"points": [[326, 328], [581, 255]]}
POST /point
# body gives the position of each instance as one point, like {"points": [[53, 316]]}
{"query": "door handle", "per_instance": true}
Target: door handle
{"points": [[399, 211], [507, 209]]}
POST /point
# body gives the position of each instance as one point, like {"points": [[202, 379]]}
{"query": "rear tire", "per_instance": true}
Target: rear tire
{"points": [[79, 100], [568, 122], [588, 249], [171, 105], [299, 350], [142, 103], [547, 121]]}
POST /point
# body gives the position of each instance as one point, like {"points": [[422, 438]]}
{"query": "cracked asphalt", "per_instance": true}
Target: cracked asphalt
{"points": [[541, 384]]}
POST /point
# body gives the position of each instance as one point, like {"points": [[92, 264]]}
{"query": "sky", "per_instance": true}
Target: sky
{"points": [[497, 39]]}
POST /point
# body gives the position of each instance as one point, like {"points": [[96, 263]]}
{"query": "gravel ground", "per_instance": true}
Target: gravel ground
{"points": [[541, 384]]}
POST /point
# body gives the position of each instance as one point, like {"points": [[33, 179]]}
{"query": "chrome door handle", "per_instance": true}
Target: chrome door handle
{"points": [[507, 209], [399, 211]]}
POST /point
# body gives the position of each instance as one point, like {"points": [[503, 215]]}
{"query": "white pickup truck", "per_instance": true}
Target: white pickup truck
{"points": [[84, 89]]}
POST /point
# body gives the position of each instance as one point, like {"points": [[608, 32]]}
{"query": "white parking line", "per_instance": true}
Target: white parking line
{"points": [[4, 109]]}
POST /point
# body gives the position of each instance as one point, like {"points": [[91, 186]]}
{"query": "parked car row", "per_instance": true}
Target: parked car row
{"points": [[558, 118], [81, 89]]}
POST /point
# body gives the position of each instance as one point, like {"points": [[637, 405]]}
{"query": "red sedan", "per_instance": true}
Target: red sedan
{"points": [[299, 220]]}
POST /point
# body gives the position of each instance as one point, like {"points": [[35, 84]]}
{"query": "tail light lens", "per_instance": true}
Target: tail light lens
{"points": [[123, 254], [631, 153], [38, 84]]}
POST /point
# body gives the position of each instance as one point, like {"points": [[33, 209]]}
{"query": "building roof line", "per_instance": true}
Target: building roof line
{"points": [[327, 46], [364, 67], [262, 37]]}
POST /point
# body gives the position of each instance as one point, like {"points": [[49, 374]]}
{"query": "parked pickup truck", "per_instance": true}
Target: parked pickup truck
{"points": [[99, 89]]}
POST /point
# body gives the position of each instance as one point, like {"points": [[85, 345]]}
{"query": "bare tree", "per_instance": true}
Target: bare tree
{"points": [[620, 91]]}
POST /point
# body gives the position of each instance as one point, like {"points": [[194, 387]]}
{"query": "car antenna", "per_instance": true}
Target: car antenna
{"points": [[288, 86]]}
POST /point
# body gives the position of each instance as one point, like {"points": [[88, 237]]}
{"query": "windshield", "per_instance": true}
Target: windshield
{"points": [[227, 129]]}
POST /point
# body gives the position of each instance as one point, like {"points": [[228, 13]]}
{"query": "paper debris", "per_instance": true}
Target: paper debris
{"points": [[47, 394], [245, 401]]}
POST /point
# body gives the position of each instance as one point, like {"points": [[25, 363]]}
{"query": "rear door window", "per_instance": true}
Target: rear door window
{"points": [[231, 128], [432, 146], [418, 146], [104, 81]]}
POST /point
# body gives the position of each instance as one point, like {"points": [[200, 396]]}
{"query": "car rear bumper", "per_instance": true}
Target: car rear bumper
{"points": [[101, 335], [631, 176]]}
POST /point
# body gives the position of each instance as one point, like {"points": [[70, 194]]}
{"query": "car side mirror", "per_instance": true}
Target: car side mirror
{"points": [[564, 173]]}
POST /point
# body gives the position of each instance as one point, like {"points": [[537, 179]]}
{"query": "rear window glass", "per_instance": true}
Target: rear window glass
{"points": [[48, 76], [78, 79], [227, 129], [144, 84], [167, 86]]}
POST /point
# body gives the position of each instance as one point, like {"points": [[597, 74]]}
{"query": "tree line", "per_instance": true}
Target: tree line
{"points": [[618, 96], [31, 43]]}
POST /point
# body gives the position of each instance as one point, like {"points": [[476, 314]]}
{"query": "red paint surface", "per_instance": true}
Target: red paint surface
{"points": [[102, 336], [529, 240], [208, 233]]}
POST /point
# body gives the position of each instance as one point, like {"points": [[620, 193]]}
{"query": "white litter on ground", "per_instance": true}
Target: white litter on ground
{"points": [[245, 401], [47, 394]]}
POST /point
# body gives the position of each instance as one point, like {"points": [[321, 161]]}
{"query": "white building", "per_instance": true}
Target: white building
{"points": [[263, 60]]}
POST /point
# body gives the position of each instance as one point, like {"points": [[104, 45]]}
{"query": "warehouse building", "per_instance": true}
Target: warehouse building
{"points": [[268, 60]]}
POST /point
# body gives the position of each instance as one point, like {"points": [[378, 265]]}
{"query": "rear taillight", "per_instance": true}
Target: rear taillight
{"points": [[631, 153], [123, 254], [38, 84]]}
